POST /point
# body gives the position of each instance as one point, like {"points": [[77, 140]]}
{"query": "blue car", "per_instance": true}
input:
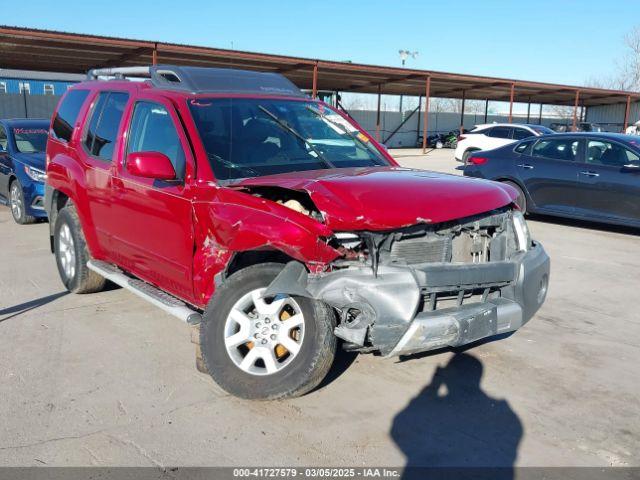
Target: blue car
{"points": [[22, 167], [589, 176]]}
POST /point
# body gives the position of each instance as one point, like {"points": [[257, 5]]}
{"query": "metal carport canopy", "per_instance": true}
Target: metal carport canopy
{"points": [[30, 49]]}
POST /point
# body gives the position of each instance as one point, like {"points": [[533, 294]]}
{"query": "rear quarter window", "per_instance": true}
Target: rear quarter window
{"points": [[67, 114], [523, 147]]}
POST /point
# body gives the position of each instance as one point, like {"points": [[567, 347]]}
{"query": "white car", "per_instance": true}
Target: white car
{"points": [[494, 135]]}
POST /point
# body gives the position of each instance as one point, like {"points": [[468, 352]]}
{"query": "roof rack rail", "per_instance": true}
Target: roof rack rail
{"points": [[160, 76], [203, 79]]}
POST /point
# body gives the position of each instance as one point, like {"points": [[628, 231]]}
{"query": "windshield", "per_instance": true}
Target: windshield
{"points": [[30, 140], [250, 137]]}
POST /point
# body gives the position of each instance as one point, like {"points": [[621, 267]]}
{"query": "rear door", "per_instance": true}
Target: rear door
{"points": [[520, 133], [549, 173], [153, 234], [497, 137], [97, 150], [609, 181]]}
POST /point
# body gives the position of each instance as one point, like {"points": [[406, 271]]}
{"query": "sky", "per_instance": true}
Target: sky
{"points": [[567, 42]]}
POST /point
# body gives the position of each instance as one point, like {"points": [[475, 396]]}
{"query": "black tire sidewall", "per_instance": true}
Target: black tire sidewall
{"points": [[64, 217], [230, 377]]}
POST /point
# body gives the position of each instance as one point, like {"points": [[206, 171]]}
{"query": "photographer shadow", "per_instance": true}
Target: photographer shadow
{"points": [[453, 424]]}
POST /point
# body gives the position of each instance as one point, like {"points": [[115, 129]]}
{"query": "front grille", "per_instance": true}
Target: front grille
{"points": [[440, 300], [426, 249]]}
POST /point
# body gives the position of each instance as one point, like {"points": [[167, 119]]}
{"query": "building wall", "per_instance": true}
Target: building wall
{"points": [[14, 105], [36, 86], [612, 116], [439, 122]]}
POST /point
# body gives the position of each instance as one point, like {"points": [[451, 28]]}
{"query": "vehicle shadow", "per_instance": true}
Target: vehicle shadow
{"points": [[586, 224], [453, 424], [21, 308]]}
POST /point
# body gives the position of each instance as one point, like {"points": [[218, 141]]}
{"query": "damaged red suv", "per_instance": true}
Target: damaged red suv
{"points": [[275, 225]]}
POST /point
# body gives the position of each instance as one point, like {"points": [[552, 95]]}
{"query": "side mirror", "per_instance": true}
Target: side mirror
{"points": [[154, 165]]}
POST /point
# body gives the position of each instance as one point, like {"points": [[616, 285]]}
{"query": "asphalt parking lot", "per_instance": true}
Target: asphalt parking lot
{"points": [[107, 379]]}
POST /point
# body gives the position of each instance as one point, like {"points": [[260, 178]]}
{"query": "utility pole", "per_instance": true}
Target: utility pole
{"points": [[404, 54]]}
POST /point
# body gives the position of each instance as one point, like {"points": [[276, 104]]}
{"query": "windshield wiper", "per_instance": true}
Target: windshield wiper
{"points": [[285, 126]]}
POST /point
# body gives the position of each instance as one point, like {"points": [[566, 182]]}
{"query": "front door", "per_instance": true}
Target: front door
{"points": [[609, 181], [153, 234], [549, 173]]}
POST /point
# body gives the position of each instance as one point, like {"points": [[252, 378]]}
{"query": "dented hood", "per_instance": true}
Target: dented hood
{"points": [[384, 198]]}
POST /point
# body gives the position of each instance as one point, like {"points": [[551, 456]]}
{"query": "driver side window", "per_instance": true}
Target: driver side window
{"points": [[152, 130], [609, 154]]}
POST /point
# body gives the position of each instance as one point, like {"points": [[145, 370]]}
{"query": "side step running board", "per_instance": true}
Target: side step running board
{"points": [[148, 292]]}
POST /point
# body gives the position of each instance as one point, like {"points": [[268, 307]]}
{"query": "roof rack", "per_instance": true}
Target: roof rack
{"points": [[203, 79]]}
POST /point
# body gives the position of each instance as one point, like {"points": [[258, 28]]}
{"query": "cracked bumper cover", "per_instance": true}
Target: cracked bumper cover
{"points": [[393, 297]]}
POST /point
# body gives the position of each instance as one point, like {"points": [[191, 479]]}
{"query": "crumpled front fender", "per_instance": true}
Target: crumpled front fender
{"points": [[236, 222]]}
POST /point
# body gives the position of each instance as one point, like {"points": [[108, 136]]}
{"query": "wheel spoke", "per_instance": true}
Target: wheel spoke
{"points": [[292, 322], [268, 356], [265, 308], [239, 338], [240, 318], [248, 361]]}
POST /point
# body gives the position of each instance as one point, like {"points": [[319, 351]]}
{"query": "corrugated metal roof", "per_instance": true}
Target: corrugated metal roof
{"points": [[32, 49]]}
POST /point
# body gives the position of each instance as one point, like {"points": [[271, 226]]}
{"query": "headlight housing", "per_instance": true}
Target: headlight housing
{"points": [[522, 231], [35, 173]]}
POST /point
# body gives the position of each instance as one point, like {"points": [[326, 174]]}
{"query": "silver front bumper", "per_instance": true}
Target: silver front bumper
{"points": [[392, 300]]}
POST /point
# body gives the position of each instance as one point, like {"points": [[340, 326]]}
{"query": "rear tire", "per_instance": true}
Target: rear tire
{"points": [[521, 201], [72, 254], [467, 154], [18, 205], [240, 335]]}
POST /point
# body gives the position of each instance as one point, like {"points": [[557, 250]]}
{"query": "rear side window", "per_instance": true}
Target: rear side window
{"points": [[67, 114], [103, 127], [565, 149], [500, 132], [152, 130], [521, 133]]}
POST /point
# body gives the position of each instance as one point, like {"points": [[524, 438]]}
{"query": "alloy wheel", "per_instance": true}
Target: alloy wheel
{"points": [[262, 337], [66, 251], [17, 206]]}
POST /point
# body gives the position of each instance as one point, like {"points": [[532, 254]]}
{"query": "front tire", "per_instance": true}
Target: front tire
{"points": [[72, 254], [261, 348], [18, 205]]}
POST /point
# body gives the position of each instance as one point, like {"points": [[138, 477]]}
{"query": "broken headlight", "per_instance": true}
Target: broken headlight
{"points": [[522, 231], [350, 245], [347, 239]]}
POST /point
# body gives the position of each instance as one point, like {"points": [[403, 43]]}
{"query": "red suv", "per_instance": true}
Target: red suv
{"points": [[275, 225]]}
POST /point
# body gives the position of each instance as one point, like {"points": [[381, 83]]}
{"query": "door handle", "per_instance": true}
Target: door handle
{"points": [[525, 166], [590, 174]]}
